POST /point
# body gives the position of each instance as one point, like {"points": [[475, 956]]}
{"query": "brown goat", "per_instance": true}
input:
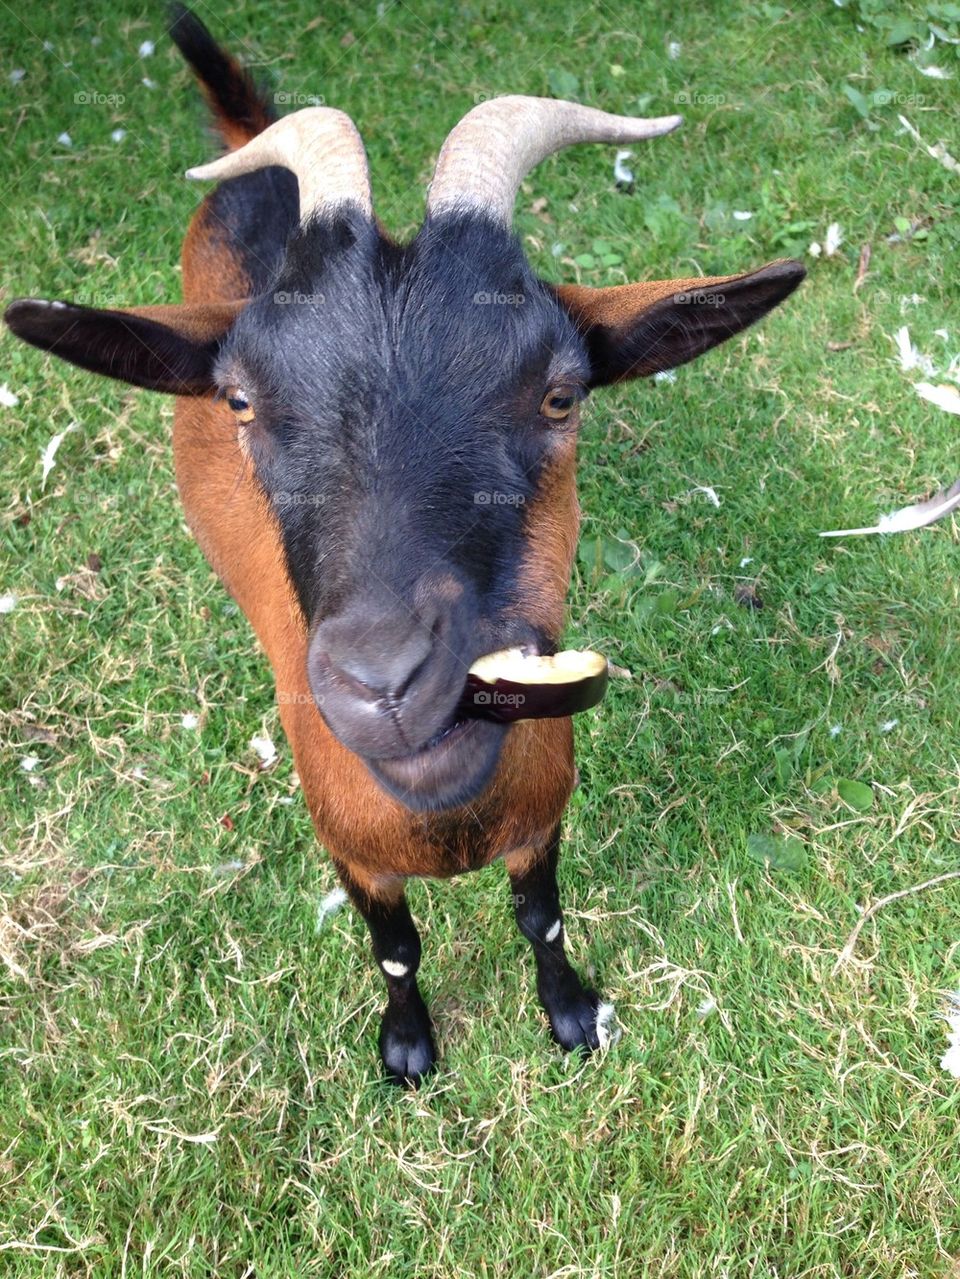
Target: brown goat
{"points": [[342, 400]]}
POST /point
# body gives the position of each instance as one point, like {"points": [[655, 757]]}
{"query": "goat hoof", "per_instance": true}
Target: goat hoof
{"points": [[573, 1019], [406, 1045]]}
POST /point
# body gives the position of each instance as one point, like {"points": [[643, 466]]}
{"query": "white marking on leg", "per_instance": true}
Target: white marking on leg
{"points": [[393, 969], [608, 1031], [553, 932]]}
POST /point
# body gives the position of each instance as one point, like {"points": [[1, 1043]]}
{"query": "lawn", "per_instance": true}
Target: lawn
{"points": [[189, 1082]]}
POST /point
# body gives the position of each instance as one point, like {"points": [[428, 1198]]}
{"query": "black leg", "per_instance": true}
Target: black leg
{"points": [[406, 1038], [571, 1008]]}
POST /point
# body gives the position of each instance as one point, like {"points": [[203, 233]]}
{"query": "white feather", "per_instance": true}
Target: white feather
{"points": [[621, 171], [950, 1062], [944, 397], [910, 357], [48, 455], [834, 239], [938, 152], [329, 905], [265, 751], [608, 1031], [919, 515], [708, 491]]}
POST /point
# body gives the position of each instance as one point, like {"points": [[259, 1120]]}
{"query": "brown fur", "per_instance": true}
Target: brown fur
{"points": [[257, 115], [621, 303], [211, 270], [551, 524], [200, 322]]}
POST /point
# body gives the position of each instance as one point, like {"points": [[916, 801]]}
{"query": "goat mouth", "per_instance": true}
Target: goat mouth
{"points": [[451, 768], [453, 731], [444, 738], [469, 710], [456, 763]]}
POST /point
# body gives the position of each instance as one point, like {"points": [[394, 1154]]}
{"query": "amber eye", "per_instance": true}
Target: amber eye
{"points": [[237, 399], [559, 402]]}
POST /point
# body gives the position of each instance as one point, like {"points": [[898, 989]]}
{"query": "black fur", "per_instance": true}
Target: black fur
{"points": [[407, 1047], [116, 344], [398, 436], [229, 87], [258, 214], [396, 389], [570, 1006]]}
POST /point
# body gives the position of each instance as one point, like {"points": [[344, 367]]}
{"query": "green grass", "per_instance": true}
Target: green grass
{"points": [[188, 1073]]}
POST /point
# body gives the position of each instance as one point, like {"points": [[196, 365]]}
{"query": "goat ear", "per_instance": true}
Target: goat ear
{"points": [[633, 330], [162, 348]]}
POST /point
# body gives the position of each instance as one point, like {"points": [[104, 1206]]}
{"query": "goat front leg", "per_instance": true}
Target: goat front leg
{"points": [[570, 1006], [406, 1036]]}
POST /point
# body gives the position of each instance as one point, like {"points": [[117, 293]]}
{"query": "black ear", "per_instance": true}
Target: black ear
{"points": [[635, 330], [162, 348]]}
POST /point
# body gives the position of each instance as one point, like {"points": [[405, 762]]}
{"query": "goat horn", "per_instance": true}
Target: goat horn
{"points": [[320, 145], [489, 153]]}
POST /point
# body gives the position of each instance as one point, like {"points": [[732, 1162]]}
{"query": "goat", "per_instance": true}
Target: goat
{"points": [[341, 400]]}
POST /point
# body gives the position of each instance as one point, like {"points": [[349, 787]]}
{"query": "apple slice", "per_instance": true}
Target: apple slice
{"points": [[509, 686]]}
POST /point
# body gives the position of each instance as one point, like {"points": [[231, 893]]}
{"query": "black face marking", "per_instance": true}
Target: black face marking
{"points": [[398, 396]]}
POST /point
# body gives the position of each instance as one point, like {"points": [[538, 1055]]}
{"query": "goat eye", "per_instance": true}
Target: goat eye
{"points": [[559, 402], [237, 399]]}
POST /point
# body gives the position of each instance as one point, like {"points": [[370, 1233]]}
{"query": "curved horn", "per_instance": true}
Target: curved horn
{"points": [[318, 144], [489, 153]]}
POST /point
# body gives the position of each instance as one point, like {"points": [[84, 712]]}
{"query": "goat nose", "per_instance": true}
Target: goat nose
{"points": [[378, 654], [387, 674]]}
